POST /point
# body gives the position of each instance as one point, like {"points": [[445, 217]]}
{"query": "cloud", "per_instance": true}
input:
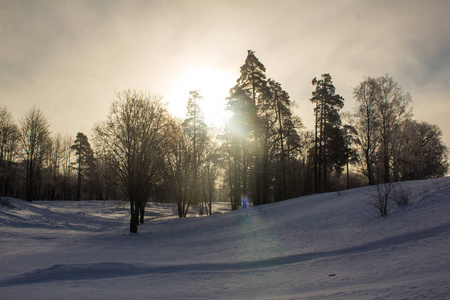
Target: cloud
{"points": [[70, 57]]}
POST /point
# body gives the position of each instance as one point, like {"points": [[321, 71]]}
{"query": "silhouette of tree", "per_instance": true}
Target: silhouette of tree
{"points": [[134, 140], [195, 128], [329, 143], [9, 138], [85, 159], [34, 141], [382, 109]]}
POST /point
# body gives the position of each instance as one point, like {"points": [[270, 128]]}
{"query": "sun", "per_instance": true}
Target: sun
{"points": [[213, 85]]}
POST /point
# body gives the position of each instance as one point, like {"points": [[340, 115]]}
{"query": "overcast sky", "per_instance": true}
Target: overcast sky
{"points": [[71, 57]]}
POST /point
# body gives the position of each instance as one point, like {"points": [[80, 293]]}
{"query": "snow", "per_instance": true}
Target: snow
{"points": [[324, 246]]}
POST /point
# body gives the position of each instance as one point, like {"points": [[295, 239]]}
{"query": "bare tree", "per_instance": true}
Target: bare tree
{"points": [[34, 142], [65, 165], [382, 108], [420, 152], [393, 108], [366, 123], [179, 169], [134, 140], [210, 172], [54, 167], [9, 137], [382, 198]]}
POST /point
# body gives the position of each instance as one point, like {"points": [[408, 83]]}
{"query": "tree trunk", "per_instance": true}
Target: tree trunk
{"points": [[134, 217], [134, 221], [141, 213]]}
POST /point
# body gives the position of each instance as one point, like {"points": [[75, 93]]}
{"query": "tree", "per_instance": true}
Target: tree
{"points": [[34, 141], [9, 137], [366, 124], [382, 109], [252, 82], [260, 135], [133, 141], [209, 174], [53, 168], [422, 154], [85, 159], [196, 130], [351, 154], [329, 144], [393, 108], [279, 141], [66, 167], [237, 143], [178, 169]]}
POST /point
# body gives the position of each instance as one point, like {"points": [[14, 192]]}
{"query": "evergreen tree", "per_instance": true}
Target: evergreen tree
{"points": [[329, 144], [85, 159], [252, 82], [237, 143], [195, 128], [285, 138], [262, 131]]}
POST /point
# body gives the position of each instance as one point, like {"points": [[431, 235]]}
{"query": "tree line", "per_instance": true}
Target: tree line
{"points": [[264, 152], [36, 165]]}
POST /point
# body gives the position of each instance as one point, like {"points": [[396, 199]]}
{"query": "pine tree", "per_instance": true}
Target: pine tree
{"points": [[252, 82], [260, 128], [85, 159], [195, 128], [237, 142], [329, 142]]}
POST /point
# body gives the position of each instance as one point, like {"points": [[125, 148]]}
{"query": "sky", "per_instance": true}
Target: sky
{"points": [[71, 58]]}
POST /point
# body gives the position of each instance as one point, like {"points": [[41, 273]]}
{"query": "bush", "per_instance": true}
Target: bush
{"points": [[401, 196], [381, 198]]}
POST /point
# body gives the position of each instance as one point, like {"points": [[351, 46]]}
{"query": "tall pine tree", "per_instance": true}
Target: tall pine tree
{"points": [[195, 127], [251, 86], [85, 159], [260, 127], [329, 142]]}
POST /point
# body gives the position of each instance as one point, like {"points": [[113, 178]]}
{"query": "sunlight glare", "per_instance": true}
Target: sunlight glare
{"points": [[213, 85]]}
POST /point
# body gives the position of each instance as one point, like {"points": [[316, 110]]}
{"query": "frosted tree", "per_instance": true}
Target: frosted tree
{"points": [[381, 111]]}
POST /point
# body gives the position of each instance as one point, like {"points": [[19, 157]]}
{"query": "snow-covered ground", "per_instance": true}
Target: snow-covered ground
{"points": [[331, 245]]}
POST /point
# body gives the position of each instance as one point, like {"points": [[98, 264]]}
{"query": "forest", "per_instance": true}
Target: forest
{"points": [[141, 153]]}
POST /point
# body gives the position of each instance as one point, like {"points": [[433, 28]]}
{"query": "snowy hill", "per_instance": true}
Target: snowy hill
{"points": [[331, 245]]}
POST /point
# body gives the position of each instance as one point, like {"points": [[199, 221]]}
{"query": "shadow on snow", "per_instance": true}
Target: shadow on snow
{"points": [[116, 269]]}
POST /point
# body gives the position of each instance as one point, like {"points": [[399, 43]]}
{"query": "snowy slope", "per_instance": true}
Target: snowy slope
{"points": [[286, 250]]}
